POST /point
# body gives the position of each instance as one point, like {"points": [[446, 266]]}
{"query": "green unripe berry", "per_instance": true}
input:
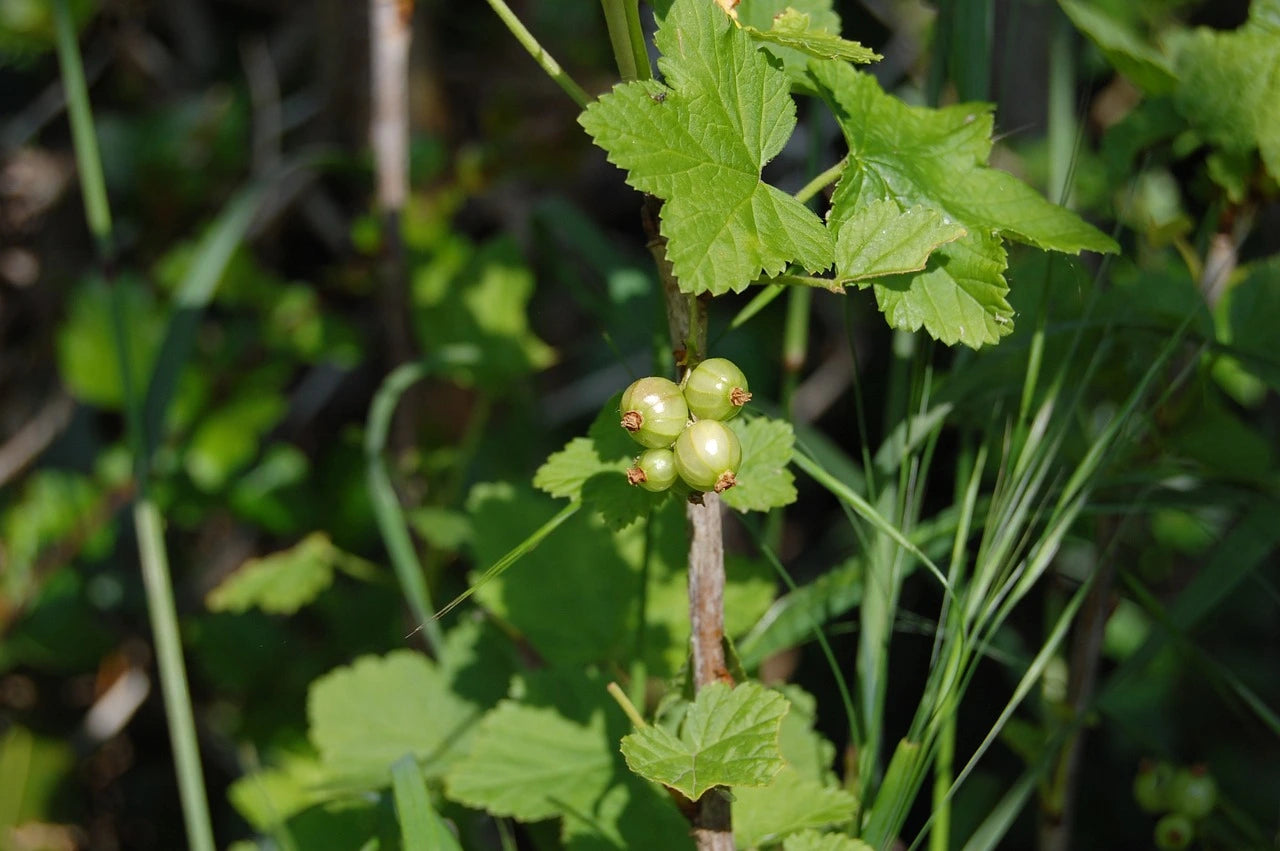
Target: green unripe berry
{"points": [[654, 470], [1152, 785], [1174, 832], [1193, 792], [654, 412], [716, 390], [707, 456]]}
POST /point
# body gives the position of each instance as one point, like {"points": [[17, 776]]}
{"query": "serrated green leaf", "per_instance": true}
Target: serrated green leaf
{"points": [[797, 30], [812, 840], [729, 738], [600, 459], [565, 472], [283, 582], [882, 239], [760, 14], [1245, 63], [699, 143], [789, 804], [764, 482], [618, 502], [1147, 67], [532, 763], [938, 158], [365, 716], [961, 297]]}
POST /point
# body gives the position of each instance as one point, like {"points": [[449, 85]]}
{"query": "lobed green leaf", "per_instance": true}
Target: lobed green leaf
{"points": [[729, 738], [533, 763], [764, 482], [699, 143], [365, 716], [789, 804], [882, 239], [796, 30]]}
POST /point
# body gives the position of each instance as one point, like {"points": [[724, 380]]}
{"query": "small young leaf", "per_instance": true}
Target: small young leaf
{"points": [[532, 763], [699, 143], [797, 31], [881, 239], [764, 482], [760, 15], [729, 738]]}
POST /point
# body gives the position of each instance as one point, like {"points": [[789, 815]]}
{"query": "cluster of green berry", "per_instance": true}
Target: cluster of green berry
{"points": [[683, 427], [1183, 795]]}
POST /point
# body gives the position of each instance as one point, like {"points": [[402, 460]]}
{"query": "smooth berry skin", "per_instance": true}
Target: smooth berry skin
{"points": [[716, 390], [654, 412], [707, 456], [1152, 785], [1174, 832], [654, 470], [1193, 792]]}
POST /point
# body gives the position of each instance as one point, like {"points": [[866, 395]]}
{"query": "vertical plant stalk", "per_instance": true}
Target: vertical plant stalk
{"points": [[389, 38], [687, 320], [544, 59], [148, 524], [706, 591], [1058, 812], [390, 35], [615, 17]]}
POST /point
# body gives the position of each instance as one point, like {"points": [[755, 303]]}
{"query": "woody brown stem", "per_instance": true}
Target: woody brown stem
{"points": [[687, 321]]}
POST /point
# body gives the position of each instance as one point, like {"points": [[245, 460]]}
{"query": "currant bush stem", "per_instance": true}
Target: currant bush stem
{"points": [[628, 707], [539, 54], [687, 321], [823, 180]]}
